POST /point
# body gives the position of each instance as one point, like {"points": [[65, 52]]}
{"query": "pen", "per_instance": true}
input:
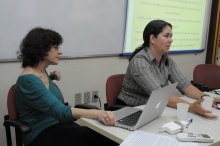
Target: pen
{"points": [[216, 92], [189, 122]]}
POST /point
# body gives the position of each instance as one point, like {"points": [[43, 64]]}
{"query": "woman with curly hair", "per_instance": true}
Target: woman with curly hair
{"points": [[39, 101]]}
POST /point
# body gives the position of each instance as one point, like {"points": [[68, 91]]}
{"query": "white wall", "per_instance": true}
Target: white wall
{"points": [[85, 74]]}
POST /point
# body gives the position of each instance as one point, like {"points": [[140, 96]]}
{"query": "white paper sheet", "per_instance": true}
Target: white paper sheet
{"points": [[139, 138]]}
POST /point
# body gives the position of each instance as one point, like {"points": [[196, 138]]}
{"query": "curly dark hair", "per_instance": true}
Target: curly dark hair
{"points": [[36, 44], [154, 27]]}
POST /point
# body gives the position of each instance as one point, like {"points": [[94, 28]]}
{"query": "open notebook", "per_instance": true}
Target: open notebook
{"points": [[132, 118]]}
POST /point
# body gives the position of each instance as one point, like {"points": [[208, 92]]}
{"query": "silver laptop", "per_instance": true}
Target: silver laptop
{"points": [[132, 118]]}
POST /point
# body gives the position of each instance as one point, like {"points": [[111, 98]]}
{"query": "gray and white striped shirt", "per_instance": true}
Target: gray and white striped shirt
{"points": [[143, 76]]}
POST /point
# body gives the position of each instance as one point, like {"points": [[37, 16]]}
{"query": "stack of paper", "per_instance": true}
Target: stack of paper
{"points": [[139, 138]]}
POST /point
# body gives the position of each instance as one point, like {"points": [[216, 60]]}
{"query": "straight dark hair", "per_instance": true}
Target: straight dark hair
{"points": [[153, 27]]}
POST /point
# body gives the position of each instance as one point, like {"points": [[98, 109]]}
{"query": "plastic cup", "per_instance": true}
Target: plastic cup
{"points": [[182, 111], [207, 103]]}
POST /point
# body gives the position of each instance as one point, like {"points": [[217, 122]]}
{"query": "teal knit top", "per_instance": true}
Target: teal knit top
{"points": [[39, 106]]}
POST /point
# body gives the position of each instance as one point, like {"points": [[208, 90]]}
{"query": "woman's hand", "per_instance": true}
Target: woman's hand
{"points": [[107, 117], [197, 108], [216, 100], [55, 75]]}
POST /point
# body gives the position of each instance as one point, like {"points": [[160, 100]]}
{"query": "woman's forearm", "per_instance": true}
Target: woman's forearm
{"points": [[82, 113]]}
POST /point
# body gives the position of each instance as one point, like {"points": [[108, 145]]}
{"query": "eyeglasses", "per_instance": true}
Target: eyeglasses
{"points": [[56, 47]]}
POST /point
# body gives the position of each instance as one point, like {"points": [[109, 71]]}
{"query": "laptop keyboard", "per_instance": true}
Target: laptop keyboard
{"points": [[130, 120]]}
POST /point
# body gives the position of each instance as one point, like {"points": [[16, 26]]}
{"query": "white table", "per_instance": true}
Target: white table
{"points": [[200, 125]]}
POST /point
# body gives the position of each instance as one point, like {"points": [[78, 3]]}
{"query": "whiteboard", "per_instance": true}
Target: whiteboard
{"points": [[88, 27]]}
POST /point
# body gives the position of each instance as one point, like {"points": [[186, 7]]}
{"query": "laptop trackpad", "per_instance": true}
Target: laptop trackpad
{"points": [[123, 112]]}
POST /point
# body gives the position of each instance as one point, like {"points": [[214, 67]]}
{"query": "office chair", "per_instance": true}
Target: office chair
{"points": [[11, 120], [206, 77], [113, 88]]}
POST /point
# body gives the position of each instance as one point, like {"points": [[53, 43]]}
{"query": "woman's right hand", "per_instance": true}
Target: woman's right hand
{"points": [[107, 117], [55, 75]]}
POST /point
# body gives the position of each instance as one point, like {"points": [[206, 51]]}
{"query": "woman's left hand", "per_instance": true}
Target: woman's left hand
{"points": [[216, 100], [107, 117]]}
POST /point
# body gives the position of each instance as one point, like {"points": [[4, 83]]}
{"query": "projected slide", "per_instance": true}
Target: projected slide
{"points": [[189, 19]]}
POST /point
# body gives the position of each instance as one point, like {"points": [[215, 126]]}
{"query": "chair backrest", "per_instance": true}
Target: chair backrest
{"points": [[11, 120], [208, 74], [113, 88], [12, 112]]}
